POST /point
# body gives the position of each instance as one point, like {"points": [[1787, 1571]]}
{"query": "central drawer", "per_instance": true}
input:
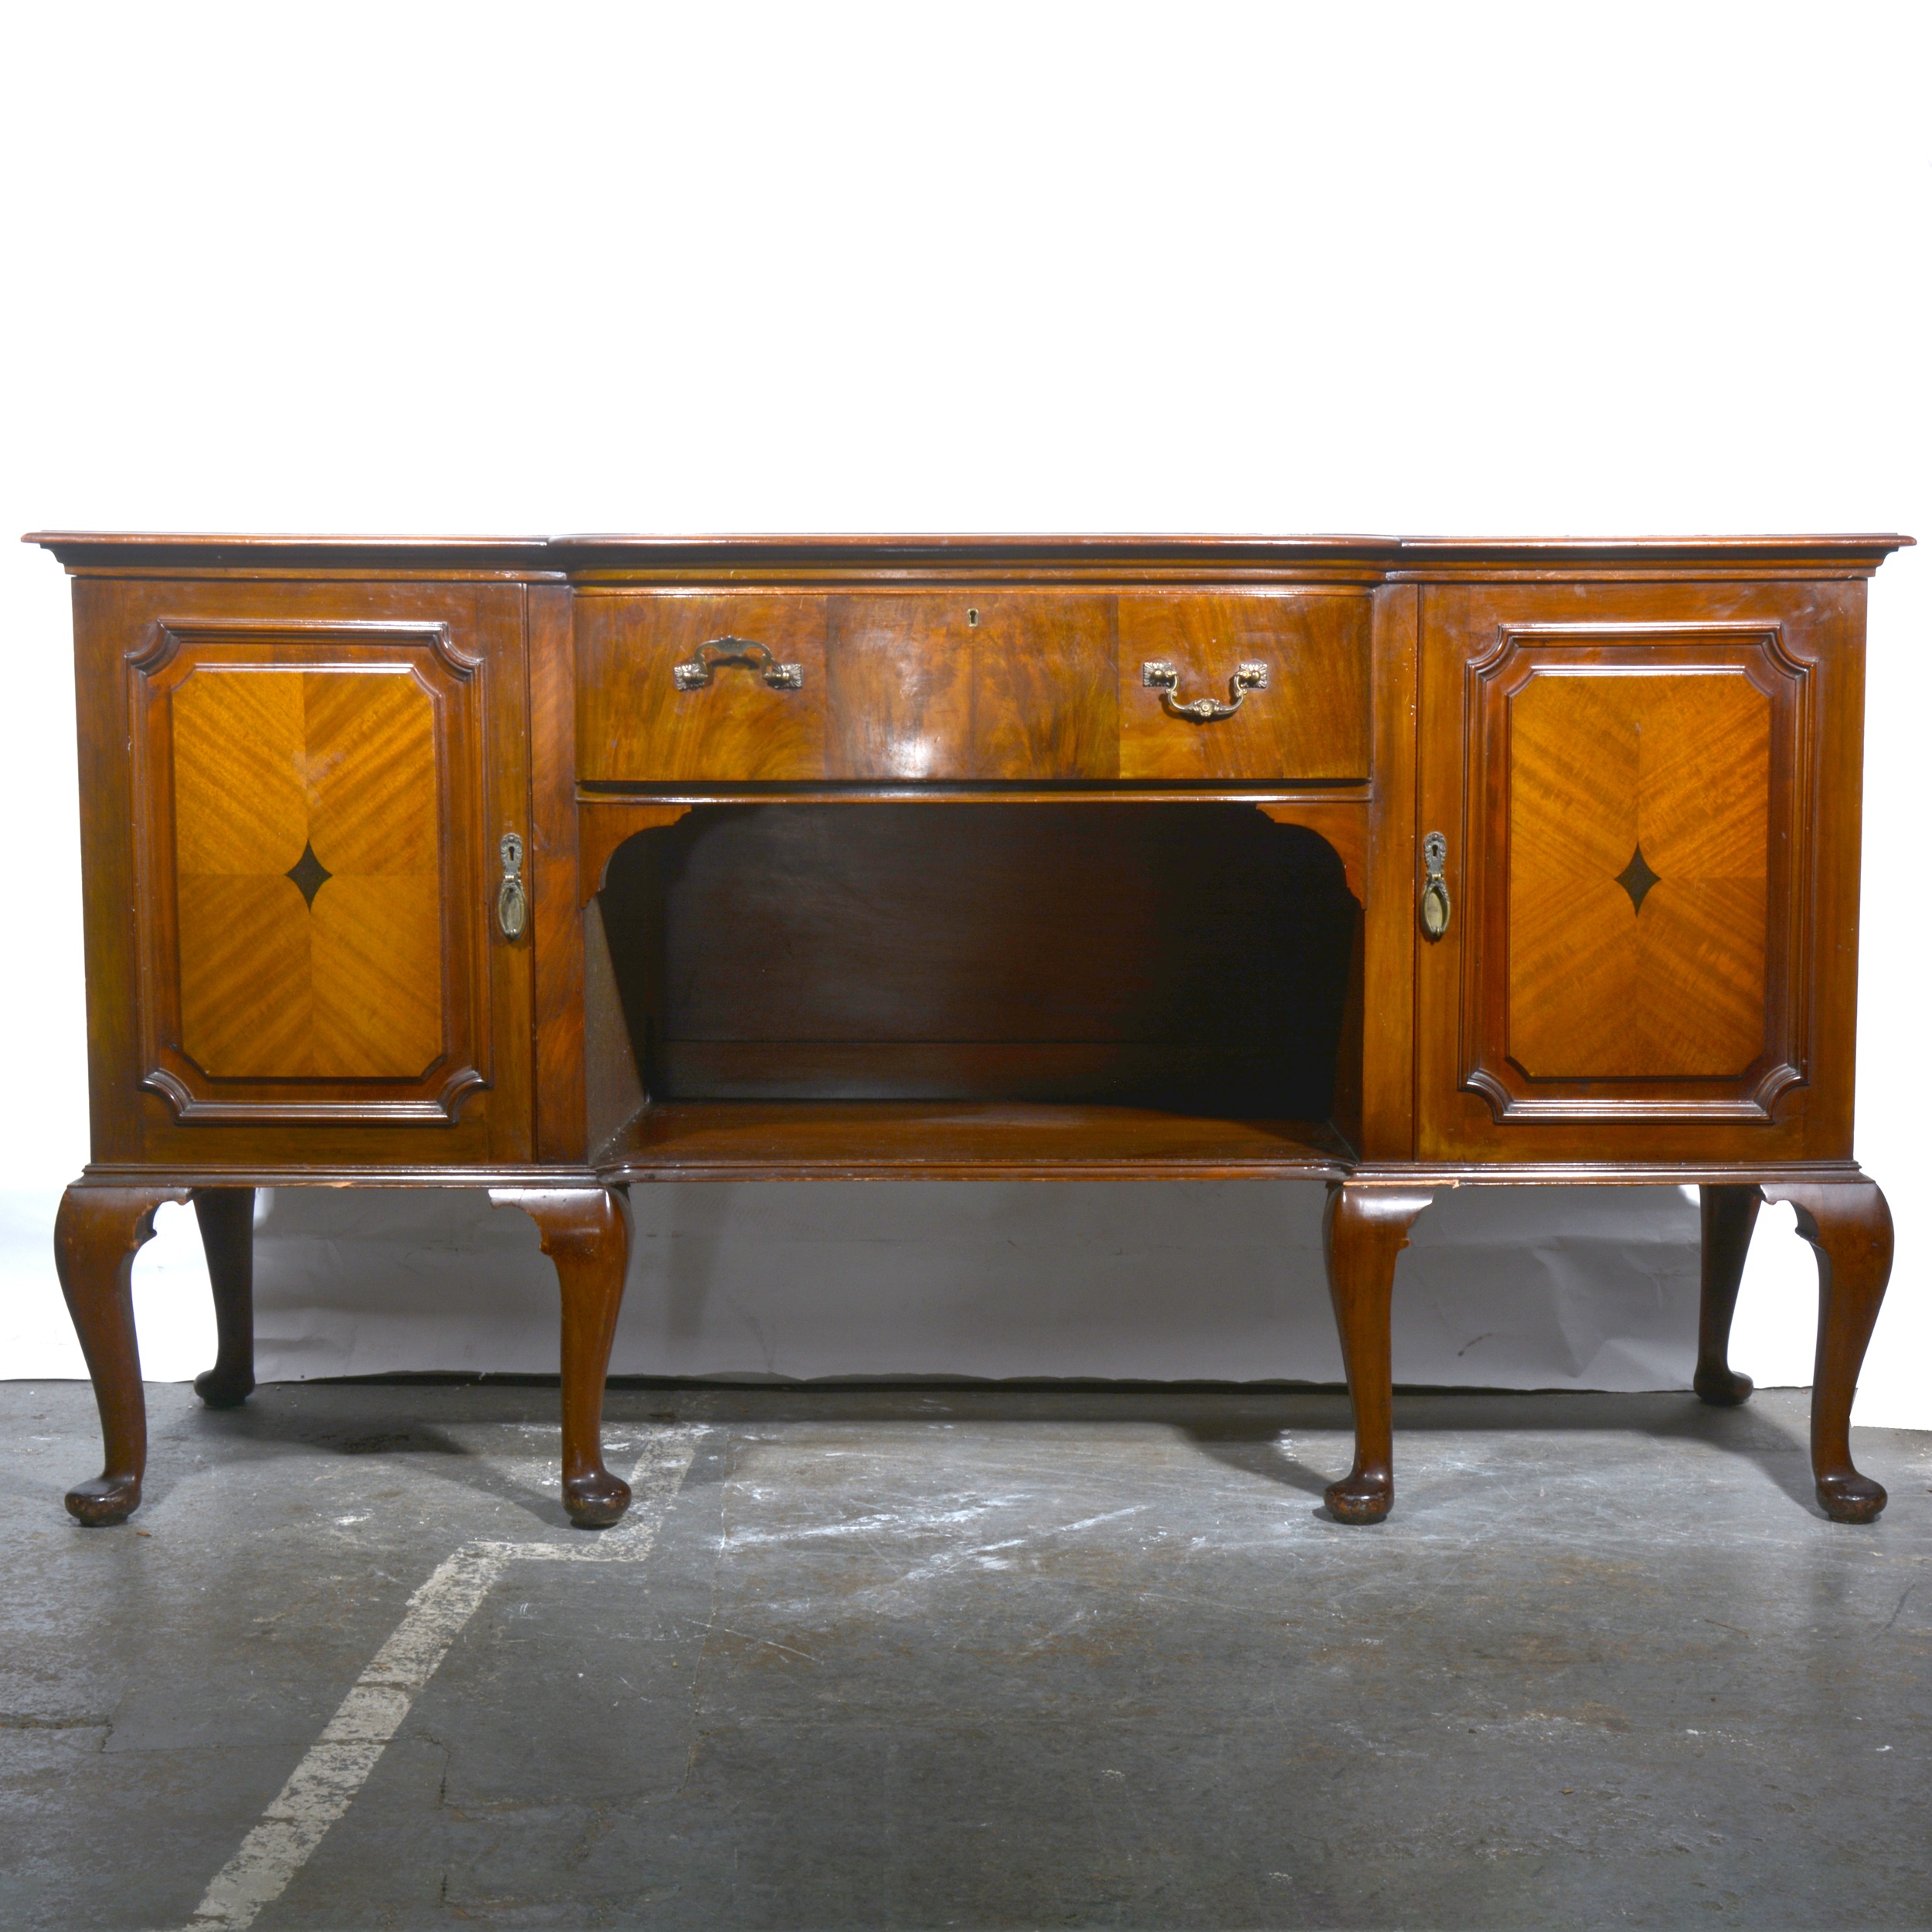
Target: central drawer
{"points": [[1015, 685]]}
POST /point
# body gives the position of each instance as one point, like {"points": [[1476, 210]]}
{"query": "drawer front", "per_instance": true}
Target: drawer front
{"points": [[1021, 685], [973, 684], [1309, 719], [645, 713]]}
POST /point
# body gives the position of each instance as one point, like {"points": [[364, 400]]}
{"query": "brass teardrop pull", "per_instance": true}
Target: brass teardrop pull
{"points": [[512, 906], [1435, 890]]}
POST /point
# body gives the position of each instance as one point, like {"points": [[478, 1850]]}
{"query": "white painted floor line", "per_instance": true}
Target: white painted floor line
{"points": [[322, 1787]]}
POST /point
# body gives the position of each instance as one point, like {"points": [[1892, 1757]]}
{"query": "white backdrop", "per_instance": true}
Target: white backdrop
{"points": [[1213, 268]]}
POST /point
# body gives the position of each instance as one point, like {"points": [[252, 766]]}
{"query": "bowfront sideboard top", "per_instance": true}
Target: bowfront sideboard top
{"points": [[554, 864]]}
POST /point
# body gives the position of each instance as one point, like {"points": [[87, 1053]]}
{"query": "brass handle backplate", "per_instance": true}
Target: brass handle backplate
{"points": [[512, 906], [1162, 676], [1435, 891], [696, 674]]}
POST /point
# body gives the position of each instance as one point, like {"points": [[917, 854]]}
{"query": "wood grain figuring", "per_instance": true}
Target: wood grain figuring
{"points": [[1311, 721], [1387, 1073], [135, 641], [904, 1140], [1044, 678], [902, 672], [1642, 850], [1665, 979], [269, 764], [633, 722], [977, 685], [314, 925], [557, 944]]}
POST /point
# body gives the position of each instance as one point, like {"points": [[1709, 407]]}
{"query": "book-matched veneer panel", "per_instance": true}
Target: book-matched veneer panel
{"points": [[308, 859], [1635, 905]]}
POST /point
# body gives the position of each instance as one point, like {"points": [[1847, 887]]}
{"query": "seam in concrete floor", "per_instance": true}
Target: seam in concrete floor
{"points": [[998, 1659], [323, 1786]]}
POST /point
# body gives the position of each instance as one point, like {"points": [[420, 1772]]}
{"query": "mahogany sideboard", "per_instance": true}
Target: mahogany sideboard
{"points": [[553, 866]]}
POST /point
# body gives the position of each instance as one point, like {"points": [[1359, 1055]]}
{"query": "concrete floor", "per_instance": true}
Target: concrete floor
{"points": [[967, 1657]]}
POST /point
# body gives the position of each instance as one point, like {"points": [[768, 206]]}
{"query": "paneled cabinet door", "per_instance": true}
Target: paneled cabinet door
{"points": [[1648, 850], [320, 790]]}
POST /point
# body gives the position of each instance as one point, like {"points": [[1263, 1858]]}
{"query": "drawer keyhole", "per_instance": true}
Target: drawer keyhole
{"points": [[972, 618]]}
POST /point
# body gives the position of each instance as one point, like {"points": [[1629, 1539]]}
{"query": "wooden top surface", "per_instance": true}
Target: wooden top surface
{"points": [[1401, 556], [958, 1140]]}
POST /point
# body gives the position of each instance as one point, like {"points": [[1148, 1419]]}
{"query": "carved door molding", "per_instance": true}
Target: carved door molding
{"points": [[1639, 835], [310, 854]]}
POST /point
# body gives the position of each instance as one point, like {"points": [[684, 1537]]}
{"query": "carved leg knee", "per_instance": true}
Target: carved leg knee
{"points": [[587, 1233], [1849, 1225], [1365, 1228], [96, 1236]]}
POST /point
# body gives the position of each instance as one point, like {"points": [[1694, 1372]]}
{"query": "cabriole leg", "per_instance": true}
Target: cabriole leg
{"points": [[96, 1236], [1849, 1225], [1365, 1228], [1729, 1214], [587, 1233], [227, 1219]]}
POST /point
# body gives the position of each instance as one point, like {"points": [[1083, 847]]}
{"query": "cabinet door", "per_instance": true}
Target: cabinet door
{"points": [[1648, 796], [317, 789]]}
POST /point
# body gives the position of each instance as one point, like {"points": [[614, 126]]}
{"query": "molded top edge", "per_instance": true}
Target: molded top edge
{"points": [[617, 551]]}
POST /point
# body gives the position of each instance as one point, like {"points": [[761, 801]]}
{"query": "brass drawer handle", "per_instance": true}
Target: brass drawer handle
{"points": [[512, 906], [1435, 891], [695, 675], [1162, 676]]}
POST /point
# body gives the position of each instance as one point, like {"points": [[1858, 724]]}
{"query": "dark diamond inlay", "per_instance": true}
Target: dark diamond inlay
{"points": [[309, 874], [1637, 879]]}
